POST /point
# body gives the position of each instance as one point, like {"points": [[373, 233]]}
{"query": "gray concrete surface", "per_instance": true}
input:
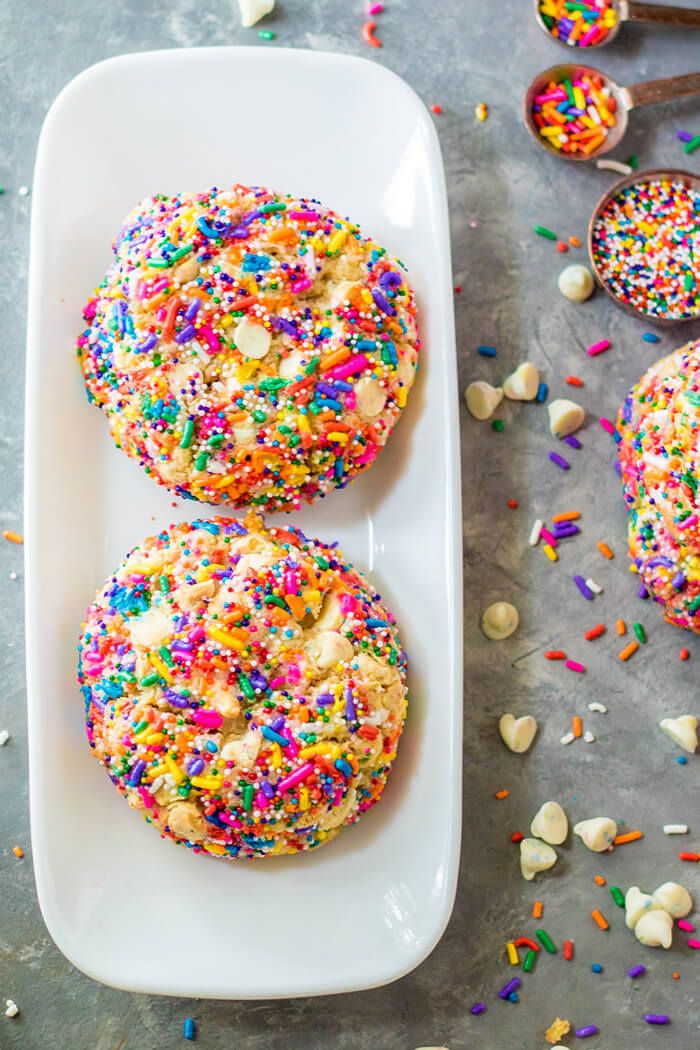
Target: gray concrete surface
{"points": [[455, 53]]}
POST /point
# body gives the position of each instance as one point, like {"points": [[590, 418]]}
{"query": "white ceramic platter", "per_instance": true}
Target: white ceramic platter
{"points": [[127, 908]]}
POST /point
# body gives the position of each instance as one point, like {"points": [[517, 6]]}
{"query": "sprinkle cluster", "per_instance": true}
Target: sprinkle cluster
{"points": [[574, 115], [249, 348], [646, 244], [579, 23], [244, 688], [659, 426]]}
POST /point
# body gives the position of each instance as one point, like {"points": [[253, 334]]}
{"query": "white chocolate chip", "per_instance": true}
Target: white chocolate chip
{"points": [[597, 833], [550, 824], [499, 621], [638, 904], [252, 340], [482, 399], [565, 417], [523, 383], [150, 629], [11, 1008], [517, 733], [290, 366], [674, 899], [576, 283], [535, 856], [682, 731], [253, 10], [332, 648], [370, 396], [655, 929]]}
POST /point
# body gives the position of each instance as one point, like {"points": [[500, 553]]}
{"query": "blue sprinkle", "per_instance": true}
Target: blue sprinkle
{"points": [[344, 767], [487, 351], [682, 760], [276, 738], [371, 621], [542, 391], [597, 968], [650, 337], [514, 997], [189, 1029]]}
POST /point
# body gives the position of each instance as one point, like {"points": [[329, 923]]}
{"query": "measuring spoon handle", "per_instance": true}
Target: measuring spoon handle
{"points": [[661, 90], [661, 15]]}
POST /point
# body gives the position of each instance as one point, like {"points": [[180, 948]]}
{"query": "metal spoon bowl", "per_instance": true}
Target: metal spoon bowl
{"points": [[626, 98], [653, 175], [632, 11]]}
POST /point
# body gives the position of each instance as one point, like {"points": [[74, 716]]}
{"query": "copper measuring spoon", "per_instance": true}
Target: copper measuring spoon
{"points": [[626, 98], [632, 11], [654, 175]]}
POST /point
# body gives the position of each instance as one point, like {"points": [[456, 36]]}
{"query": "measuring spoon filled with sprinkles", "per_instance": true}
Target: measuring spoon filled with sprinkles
{"points": [[594, 23], [578, 113], [644, 245]]}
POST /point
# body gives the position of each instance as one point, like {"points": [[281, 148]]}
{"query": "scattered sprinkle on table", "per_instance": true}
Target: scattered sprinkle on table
{"points": [[13, 537], [559, 461], [18, 852], [189, 1029], [435, 108], [368, 34], [487, 351], [481, 112]]}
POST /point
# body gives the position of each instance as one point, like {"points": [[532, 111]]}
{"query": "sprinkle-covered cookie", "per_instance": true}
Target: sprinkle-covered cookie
{"points": [[249, 348], [659, 426], [244, 687]]}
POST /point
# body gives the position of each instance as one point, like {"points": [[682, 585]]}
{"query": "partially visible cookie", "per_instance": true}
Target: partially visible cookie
{"points": [[245, 687], [659, 427], [248, 347]]}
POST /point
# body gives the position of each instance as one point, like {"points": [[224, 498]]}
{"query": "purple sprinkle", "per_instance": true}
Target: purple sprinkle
{"points": [[478, 1008], [323, 699], [383, 303], [391, 279], [559, 460], [684, 136], [511, 986], [191, 311], [186, 334], [180, 646], [267, 788], [584, 589], [660, 560], [636, 971], [240, 232], [257, 679], [195, 767], [287, 326], [588, 1029], [678, 582], [350, 712], [149, 342], [176, 700], [277, 723], [642, 593], [656, 1019], [136, 773], [563, 529], [327, 390], [573, 441]]}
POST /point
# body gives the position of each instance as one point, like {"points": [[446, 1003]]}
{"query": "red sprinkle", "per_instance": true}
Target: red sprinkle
{"points": [[555, 654], [458, 289], [562, 246], [435, 108], [517, 837], [568, 950], [684, 654], [513, 504], [692, 857], [574, 381], [595, 632]]}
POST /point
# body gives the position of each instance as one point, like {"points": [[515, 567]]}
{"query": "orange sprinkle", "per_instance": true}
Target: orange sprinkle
{"points": [[620, 627], [537, 909], [629, 836], [628, 651], [18, 852], [574, 381], [599, 880], [13, 537], [568, 515], [574, 242], [605, 550], [676, 976], [577, 726], [599, 919], [503, 793]]}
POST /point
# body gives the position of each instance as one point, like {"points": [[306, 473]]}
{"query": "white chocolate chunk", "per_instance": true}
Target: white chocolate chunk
{"points": [[535, 856], [655, 929], [499, 621], [242, 751], [565, 417], [253, 10], [517, 733], [482, 399], [682, 731], [150, 629], [332, 648], [290, 366], [576, 283], [638, 904], [187, 822], [674, 899], [370, 396], [523, 383], [597, 833], [550, 824], [11, 1008], [252, 340]]}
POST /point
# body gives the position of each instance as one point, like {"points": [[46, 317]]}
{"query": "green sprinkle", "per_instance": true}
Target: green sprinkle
{"points": [[248, 791], [322, 562], [215, 440], [187, 434], [691, 146], [150, 679], [164, 584], [640, 633], [125, 676], [166, 656], [498, 425], [529, 961], [141, 726], [542, 231], [312, 366], [273, 383], [546, 941], [633, 161], [181, 253], [618, 896], [694, 605], [689, 280], [201, 460], [273, 599], [246, 685], [272, 206], [259, 416], [266, 34], [692, 397]]}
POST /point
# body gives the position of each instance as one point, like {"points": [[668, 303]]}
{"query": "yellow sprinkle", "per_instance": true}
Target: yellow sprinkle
{"points": [[336, 241], [161, 667], [153, 738], [513, 957], [303, 424], [402, 397], [226, 321], [206, 783], [275, 755], [550, 552], [157, 771], [337, 435], [224, 638], [173, 768], [304, 799], [214, 847], [320, 749], [481, 112]]}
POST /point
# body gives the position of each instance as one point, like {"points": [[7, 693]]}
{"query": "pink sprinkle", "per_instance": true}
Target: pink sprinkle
{"points": [[588, 37], [370, 452], [303, 216], [207, 333], [301, 285], [295, 778], [293, 674], [278, 682], [688, 523], [207, 717], [351, 403], [347, 603], [226, 817], [683, 924], [357, 363], [598, 348], [292, 750], [290, 582], [261, 800], [375, 9], [693, 943], [573, 665], [148, 799], [547, 535], [90, 310], [607, 425]]}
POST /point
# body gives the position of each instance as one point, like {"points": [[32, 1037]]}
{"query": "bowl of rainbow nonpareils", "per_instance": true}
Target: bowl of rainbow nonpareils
{"points": [[644, 245]]}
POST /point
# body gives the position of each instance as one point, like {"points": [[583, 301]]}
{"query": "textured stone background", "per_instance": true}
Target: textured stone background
{"points": [[456, 53]]}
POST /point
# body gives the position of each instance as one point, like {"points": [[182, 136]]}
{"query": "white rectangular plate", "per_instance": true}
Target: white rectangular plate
{"points": [[124, 906]]}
